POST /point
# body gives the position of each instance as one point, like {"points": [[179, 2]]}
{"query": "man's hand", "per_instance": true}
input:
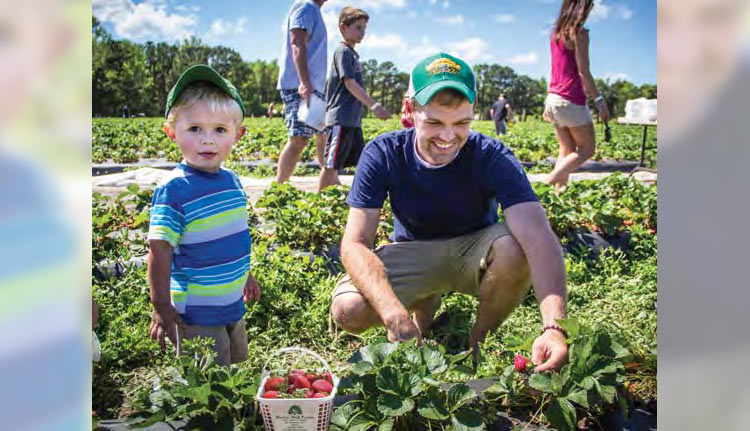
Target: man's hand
{"points": [[251, 289], [549, 350], [402, 328], [305, 92], [164, 322], [381, 112]]}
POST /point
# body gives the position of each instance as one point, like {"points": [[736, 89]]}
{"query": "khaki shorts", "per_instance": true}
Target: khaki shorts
{"points": [[230, 341], [564, 113], [418, 269]]}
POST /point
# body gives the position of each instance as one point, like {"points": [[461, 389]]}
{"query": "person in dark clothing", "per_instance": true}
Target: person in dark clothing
{"points": [[499, 112]]}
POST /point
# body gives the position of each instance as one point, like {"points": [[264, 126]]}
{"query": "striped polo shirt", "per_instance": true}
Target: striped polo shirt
{"points": [[203, 216]]}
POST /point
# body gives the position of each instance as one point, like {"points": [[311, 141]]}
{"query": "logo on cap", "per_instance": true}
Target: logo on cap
{"points": [[443, 65]]}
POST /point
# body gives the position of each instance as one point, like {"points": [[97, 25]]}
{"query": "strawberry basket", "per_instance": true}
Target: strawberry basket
{"points": [[295, 414]]}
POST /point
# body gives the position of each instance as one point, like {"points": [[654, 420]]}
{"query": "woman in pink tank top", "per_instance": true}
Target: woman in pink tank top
{"points": [[570, 83]]}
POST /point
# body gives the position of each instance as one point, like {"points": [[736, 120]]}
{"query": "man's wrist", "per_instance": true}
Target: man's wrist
{"points": [[599, 98], [554, 327], [375, 106]]}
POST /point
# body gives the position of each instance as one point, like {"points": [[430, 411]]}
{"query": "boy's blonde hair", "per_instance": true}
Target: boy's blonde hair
{"points": [[350, 15], [217, 99]]}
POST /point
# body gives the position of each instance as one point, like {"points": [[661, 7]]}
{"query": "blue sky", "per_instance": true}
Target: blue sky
{"points": [[513, 33]]}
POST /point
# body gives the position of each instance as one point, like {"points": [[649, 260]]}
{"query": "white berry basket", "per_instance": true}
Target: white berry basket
{"points": [[295, 414]]}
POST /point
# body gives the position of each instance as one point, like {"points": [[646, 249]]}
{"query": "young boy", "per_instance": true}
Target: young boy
{"points": [[199, 243], [346, 95]]}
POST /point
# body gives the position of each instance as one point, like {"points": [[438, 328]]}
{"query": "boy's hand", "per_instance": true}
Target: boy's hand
{"points": [[381, 112], [251, 290], [164, 322]]}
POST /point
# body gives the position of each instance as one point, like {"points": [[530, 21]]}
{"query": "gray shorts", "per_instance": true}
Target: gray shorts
{"points": [[230, 341], [418, 269]]}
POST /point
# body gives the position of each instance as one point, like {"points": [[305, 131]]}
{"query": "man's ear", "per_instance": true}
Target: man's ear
{"points": [[169, 131], [409, 106], [240, 133]]}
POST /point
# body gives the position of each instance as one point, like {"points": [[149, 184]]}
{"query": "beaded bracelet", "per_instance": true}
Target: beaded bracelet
{"points": [[557, 327]]}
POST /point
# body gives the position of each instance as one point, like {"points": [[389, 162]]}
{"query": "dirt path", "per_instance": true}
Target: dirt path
{"points": [[254, 187]]}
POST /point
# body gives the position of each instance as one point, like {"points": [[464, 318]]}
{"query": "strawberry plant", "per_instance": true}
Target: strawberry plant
{"points": [[588, 381], [200, 392], [401, 388]]}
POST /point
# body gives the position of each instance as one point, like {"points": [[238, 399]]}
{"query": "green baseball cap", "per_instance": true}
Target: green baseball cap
{"points": [[201, 72], [438, 72]]}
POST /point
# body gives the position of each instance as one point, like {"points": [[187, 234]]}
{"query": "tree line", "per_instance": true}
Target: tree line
{"points": [[140, 76]]}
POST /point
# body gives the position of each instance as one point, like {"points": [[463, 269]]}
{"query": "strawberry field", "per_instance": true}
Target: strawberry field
{"points": [[609, 231], [130, 140]]}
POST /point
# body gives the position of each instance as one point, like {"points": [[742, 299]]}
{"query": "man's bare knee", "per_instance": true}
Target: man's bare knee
{"points": [[351, 312], [507, 256]]}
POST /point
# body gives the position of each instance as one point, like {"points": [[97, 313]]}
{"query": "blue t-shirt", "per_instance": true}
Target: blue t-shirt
{"points": [[203, 215], [427, 202], [304, 14]]}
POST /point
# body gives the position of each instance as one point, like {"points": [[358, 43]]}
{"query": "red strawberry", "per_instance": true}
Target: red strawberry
{"points": [[522, 364], [652, 231], [322, 386], [311, 377], [302, 382], [273, 383], [270, 394], [320, 395], [310, 393], [290, 389], [327, 376]]}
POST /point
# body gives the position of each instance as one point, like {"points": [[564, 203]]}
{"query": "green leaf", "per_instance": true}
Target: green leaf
{"points": [[342, 415], [432, 406], [458, 357], [459, 395], [608, 392], [362, 367], [579, 397], [467, 420], [620, 351], [540, 382], [393, 405], [133, 188], [588, 382], [434, 360], [386, 425], [570, 326], [389, 382], [556, 383], [197, 393], [561, 414], [500, 387]]}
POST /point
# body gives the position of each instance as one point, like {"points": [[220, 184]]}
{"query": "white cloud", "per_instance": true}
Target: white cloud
{"points": [[412, 14], [187, 9], [386, 41], [144, 21], [624, 12], [446, 4], [433, 2], [530, 57], [615, 76], [504, 18], [221, 29], [601, 11], [470, 50], [368, 5], [457, 19]]}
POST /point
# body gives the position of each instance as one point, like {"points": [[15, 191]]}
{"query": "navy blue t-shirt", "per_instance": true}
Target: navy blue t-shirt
{"points": [[445, 202]]}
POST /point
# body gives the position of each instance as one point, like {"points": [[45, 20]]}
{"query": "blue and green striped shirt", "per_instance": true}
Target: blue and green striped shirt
{"points": [[203, 216]]}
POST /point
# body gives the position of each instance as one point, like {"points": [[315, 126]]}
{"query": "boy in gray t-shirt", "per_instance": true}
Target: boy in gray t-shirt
{"points": [[345, 97]]}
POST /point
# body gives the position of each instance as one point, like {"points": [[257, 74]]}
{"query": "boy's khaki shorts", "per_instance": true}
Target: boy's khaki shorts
{"points": [[230, 341], [418, 269]]}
